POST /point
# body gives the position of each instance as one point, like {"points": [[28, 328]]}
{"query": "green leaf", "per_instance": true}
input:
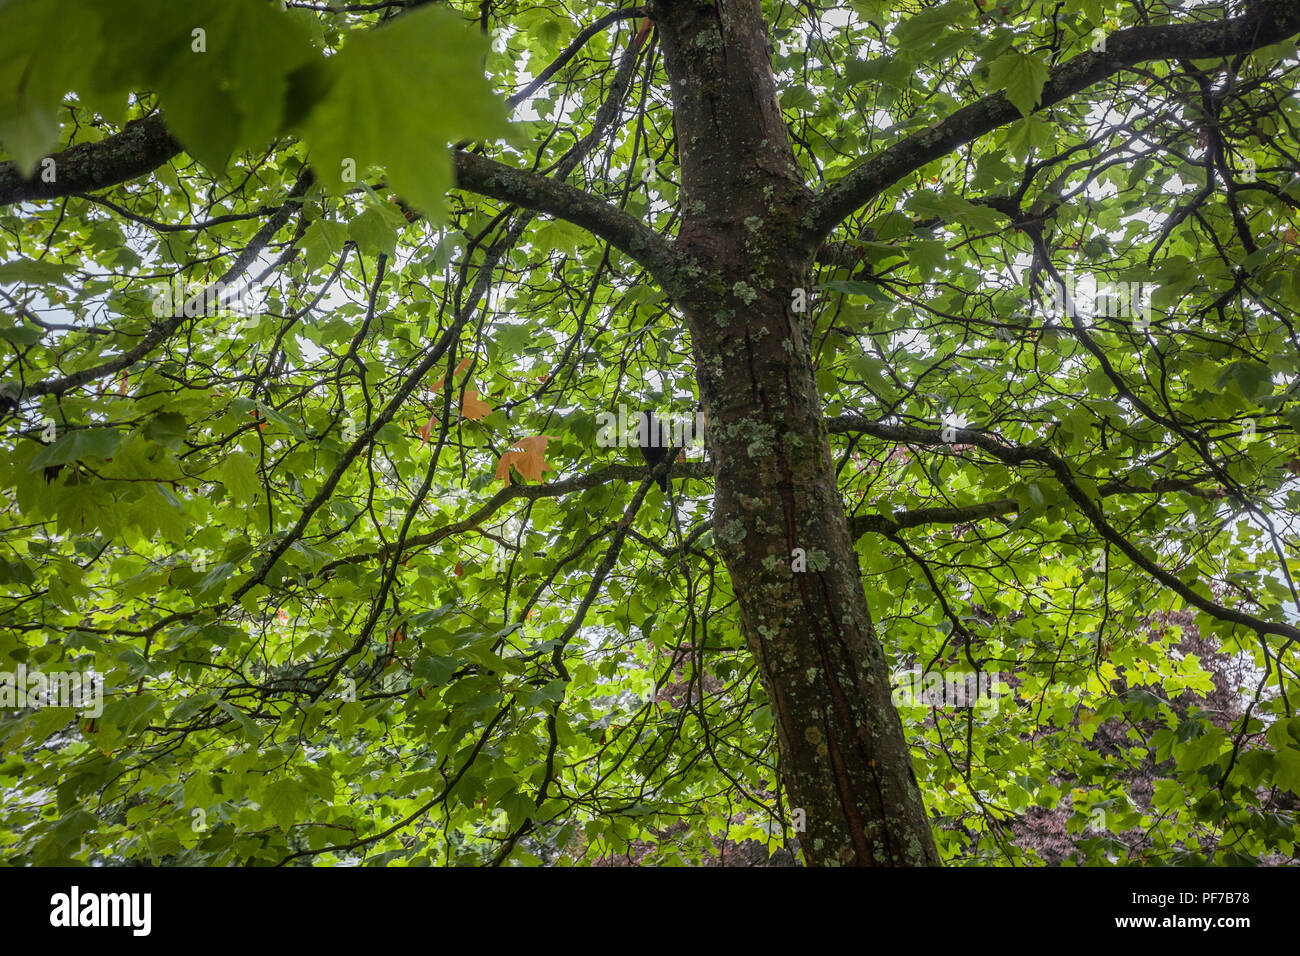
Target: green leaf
{"points": [[221, 68], [239, 474], [36, 728], [1253, 378], [427, 56], [926, 25], [22, 334], [512, 339], [856, 287], [78, 444], [373, 233], [47, 47], [1286, 769], [221, 90], [34, 271], [322, 242], [68, 831], [1021, 76], [951, 208], [284, 798], [927, 255], [167, 428]]}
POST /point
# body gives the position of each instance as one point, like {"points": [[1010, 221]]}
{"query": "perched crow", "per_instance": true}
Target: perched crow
{"points": [[654, 441]]}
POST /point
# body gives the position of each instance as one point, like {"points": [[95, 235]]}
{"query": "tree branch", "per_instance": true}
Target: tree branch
{"points": [[963, 514], [555, 489], [545, 195], [569, 52], [1060, 469], [1265, 22], [145, 144], [140, 147], [161, 331]]}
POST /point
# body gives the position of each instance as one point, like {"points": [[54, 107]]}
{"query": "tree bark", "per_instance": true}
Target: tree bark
{"points": [[141, 147], [845, 761]]}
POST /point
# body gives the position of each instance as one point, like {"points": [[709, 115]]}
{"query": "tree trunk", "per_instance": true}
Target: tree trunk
{"points": [[844, 759]]}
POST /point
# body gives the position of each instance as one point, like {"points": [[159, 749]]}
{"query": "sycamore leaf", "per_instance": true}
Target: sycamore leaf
{"points": [[1286, 769], [427, 56], [220, 68], [373, 233], [46, 49], [527, 457], [1021, 76], [283, 799], [472, 407], [927, 256], [76, 445], [35, 271], [239, 474], [232, 91], [464, 364]]}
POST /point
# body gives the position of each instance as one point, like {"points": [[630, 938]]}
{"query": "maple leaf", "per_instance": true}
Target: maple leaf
{"points": [[472, 407], [527, 455]]}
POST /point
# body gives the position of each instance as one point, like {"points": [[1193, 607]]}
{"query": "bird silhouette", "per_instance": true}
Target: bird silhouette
{"points": [[653, 440]]}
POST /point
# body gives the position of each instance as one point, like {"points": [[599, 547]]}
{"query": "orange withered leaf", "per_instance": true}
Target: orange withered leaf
{"points": [[474, 408], [527, 456], [464, 364]]}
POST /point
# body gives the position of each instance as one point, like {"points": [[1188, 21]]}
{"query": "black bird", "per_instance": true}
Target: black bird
{"points": [[653, 440]]}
